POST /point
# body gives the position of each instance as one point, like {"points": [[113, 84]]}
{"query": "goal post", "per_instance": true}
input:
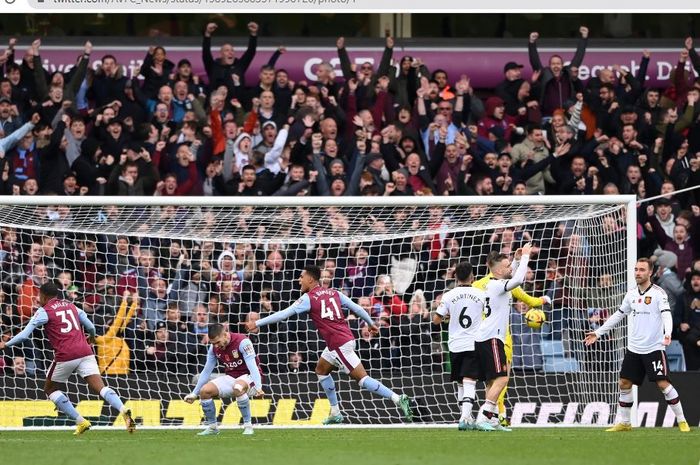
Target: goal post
{"points": [[196, 260]]}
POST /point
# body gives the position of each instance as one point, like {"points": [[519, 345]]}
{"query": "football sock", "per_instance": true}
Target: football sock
{"points": [[64, 405], [674, 401], [209, 410], [469, 388], [626, 402], [328, 386], [488, 411], [244, 406], [112, 398], [373, 385]]}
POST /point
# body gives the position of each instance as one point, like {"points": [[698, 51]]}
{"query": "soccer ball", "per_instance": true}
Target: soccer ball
{"points": [[535, 318]]}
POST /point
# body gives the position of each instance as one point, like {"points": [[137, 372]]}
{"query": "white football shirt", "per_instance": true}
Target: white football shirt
{"points": [[464, 305], [498, 303], [496, 311], [646, 326]]}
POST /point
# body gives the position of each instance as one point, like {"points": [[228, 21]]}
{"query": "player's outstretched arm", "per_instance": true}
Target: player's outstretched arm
{"points": [[203, 376], [302, 305], [39, 319], [610, 323], [519, 275], [527, 299], [356, 309], [248, 351], [590, 339]]}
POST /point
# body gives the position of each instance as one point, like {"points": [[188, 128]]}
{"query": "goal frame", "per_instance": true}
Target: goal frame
{"points": [[628, 201]]}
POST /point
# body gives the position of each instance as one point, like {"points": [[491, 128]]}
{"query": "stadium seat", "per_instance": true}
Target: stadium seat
{"points": [[676, 359], [555, 360], [560, 365], [552, 348]]}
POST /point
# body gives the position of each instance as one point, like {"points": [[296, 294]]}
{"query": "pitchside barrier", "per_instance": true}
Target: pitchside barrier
{"points": [[309, 408]]}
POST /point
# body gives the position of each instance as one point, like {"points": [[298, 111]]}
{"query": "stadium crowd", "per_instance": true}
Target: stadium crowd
{"points": [[397, 129]]}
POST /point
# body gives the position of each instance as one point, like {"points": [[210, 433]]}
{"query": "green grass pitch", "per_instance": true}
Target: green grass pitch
{"points": [[329, 446]]}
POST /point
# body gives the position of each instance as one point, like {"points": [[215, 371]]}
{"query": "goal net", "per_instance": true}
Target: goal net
{"points": [[185, 263]]}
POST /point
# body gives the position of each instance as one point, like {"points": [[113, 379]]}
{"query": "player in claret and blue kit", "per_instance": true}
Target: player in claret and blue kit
{"points": [[243, 376], [325, 307], [64, 324]]}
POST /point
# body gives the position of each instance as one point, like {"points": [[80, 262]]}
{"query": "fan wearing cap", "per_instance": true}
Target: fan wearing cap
{"points": [[399, 185], [183, 73], [270, 140], [70, 184], [507, 89], [374, 165], [628, 115], [114, 137], [9, 122], [132, 111], [556, 80], [161, 354]]}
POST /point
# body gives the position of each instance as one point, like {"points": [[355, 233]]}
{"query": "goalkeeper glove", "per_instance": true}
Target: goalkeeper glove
{"points": [[546, 300]]}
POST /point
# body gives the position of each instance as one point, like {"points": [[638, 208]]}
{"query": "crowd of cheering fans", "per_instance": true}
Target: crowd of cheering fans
{"points": [[395, 129]]}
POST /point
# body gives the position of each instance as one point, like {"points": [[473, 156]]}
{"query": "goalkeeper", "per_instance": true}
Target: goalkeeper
{"points": [[532, 302]]}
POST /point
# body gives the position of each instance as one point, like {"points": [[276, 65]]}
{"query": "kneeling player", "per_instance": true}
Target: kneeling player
{"points": [[464, 306], [243, 377]]}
